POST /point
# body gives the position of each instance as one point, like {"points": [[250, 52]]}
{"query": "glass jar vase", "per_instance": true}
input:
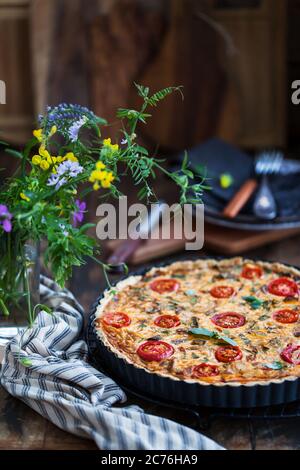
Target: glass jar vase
{"points": [[19, 283]]}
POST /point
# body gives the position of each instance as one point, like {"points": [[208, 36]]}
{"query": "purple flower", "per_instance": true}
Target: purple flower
{"points": [[75, 128], [5, 218], [56, 180], [64, 116], [69, 168], [65, 169], [79, 212]]}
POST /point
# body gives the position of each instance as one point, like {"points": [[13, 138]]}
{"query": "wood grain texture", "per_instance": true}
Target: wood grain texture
{"points": [[16, 116], [256, 64], [189, 56], [124, 37], [60, 51]]}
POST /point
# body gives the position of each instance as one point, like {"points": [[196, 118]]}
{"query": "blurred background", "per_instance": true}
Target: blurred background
{"points": [[236, 60]]}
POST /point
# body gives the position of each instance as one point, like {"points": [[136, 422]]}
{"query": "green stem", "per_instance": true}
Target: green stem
{"points": [[133, 127], [27, 288], [4, 308]]}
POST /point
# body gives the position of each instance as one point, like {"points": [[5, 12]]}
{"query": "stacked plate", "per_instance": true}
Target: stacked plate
{"points": [[216, 158]]}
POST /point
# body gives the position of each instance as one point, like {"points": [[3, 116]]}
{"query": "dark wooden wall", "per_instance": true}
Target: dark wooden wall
{"points": [[231, 56]]}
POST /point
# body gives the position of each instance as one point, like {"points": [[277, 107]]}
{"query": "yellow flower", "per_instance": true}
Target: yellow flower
{"points": [[107, 142], [70, 156], [51, 160], [36, 160], [113, 147], [44, 165], [106, 182], [100, 176], [100, 166], [24, 197], [97, 175], [59, 159], [44, 152], [38, 134], [53, 131]]}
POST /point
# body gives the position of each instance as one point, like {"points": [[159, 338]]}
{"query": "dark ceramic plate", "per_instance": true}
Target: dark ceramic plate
{"points": [[248, 222]]}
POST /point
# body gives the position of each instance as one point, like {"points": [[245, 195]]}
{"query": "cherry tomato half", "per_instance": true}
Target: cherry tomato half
{"points": [[163, 286], [204, 370], [286, 316], [228, 354], [283, 287], [250, 271], [116, 319], [229, 320], [291, 354], [167, 321], [222, 292], [155, 351]]}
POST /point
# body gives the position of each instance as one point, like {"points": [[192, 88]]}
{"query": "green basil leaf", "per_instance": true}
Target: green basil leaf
{"points": [[227, 340], [276, 365], [212, 334], [202, 332]]}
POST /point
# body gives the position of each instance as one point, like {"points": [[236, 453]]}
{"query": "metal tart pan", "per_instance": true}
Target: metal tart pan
{"points": [[273, 392]]}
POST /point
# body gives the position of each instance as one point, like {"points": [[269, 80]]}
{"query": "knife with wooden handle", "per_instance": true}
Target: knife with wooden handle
{"points": [[126, 249], [240, 198]]}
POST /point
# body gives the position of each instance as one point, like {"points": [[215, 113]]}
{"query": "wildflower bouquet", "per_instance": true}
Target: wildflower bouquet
{"points": [[45, 197]]}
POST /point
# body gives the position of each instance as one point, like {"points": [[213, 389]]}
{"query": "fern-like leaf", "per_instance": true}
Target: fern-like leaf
{"points": [[162, 94]]}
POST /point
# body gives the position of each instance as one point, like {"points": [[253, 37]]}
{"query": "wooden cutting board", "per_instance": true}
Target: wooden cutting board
{"points": [[224, 241]]}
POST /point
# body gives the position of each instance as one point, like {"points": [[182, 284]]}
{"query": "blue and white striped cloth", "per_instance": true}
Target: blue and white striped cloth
{"points": [[46, 367]]}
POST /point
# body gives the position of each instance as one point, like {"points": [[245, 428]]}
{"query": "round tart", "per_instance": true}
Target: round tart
{"points": [[233, 321]]}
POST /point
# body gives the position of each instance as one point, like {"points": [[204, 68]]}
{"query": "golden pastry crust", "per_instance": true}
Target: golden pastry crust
{"points": [[259, 337]]}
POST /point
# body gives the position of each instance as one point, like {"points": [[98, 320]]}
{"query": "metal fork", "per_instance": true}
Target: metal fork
{"points": [[266, 163]]}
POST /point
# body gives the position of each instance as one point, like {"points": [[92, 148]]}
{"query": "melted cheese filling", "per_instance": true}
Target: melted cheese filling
{"points": [[261, 339]]}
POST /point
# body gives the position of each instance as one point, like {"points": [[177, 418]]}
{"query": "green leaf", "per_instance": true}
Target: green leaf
{"points": [[45, 308], [14, 153], [212, 334], [254, 302], [160, 95], [3, 308], [263, 317], [276, 365], [202, 332], [26, 362], [226, 339]]}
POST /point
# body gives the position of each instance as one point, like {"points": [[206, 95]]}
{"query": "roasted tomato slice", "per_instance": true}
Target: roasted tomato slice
{"points": [[204, 370], [116, 319], [155, 351], [291, 354], [228, 354], [286, 316], [167, 321], [229, 320], [163, 286], [283, 287], [251, 271], [222, 292]]}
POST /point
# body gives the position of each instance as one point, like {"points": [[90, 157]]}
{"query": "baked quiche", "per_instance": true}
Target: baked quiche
{"points": [[207, 321]]}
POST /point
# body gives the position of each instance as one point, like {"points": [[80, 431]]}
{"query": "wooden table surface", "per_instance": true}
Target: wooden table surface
{"points": [[22, 428]]}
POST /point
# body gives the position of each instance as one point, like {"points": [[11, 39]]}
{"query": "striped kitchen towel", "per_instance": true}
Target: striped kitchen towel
{"points": [[46, 367]]}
